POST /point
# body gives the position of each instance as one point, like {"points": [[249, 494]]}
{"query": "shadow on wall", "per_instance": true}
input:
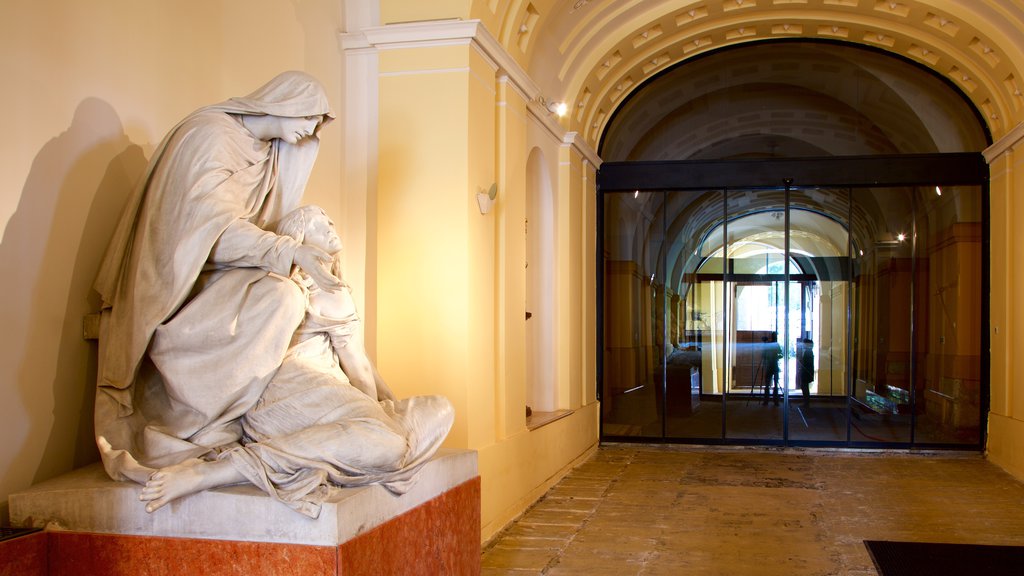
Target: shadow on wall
{"points": [[49, 256]]}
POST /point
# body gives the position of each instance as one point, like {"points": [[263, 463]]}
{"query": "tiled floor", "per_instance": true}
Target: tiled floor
{"points": [[648, 510]]}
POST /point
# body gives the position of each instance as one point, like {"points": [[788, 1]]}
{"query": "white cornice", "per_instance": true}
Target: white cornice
{"points": [[1010, 140], [442, 33], [558, 132], [460, 32], [575, 140]]}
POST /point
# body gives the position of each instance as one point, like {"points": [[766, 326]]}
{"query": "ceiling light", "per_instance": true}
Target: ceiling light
{"points": [[558, 108]]}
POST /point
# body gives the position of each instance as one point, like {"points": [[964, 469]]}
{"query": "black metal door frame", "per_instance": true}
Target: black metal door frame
{"points": [[834, 171]]}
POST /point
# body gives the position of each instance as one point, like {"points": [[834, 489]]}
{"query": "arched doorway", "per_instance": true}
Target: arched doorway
{"points": [[822, 198]]}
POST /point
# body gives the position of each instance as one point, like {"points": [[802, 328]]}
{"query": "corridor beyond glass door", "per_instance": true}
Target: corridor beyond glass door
{"points": [[818, 329], [805, 316], [756, 296]]}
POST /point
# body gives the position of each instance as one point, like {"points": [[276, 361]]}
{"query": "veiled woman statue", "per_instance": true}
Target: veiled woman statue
{"points": [[201, 309]]}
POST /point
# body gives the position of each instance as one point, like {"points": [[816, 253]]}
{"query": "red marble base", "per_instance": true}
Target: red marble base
{"points": [[442, 536], [24, 556]]}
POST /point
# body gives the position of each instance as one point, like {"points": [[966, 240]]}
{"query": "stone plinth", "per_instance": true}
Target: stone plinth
{"points": [[98, 526]]}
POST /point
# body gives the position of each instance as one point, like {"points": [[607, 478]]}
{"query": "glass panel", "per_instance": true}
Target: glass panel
{"points": [[947, 316], [817, 331], [633, 315], [695, 377], [755, 295], [873, 320], [884, 274]]}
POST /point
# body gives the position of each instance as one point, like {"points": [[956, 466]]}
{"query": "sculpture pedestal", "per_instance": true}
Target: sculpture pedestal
{"points": [[98, 526]]}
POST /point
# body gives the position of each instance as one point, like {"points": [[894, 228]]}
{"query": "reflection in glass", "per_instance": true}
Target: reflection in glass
{"points": [[917, 370], [817, 331], [633, 315], [754, 250], [886, 273], [839, 316], [695, 357]]}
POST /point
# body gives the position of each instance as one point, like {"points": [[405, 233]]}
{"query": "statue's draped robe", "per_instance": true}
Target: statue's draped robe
{"points": [[199, 312], [312, 428]]}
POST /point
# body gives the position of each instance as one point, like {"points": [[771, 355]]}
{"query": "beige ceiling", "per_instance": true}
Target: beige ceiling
{"points": [[594, 53], [791, 99]]}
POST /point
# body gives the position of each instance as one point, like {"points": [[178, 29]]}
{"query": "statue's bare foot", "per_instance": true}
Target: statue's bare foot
{"points": [[188, 477], [121, 463]]}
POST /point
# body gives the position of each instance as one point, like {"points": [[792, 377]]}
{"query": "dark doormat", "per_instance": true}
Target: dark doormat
{"points": [[924, 558]]}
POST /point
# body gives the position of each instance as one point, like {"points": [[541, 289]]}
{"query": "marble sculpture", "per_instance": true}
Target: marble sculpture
{"points": [[230, 350]]}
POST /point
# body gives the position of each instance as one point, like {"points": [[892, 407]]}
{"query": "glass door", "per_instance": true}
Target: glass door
{"points": [[818, 330], [634, 316], [696, 358], [756, 294], [806, 316]]}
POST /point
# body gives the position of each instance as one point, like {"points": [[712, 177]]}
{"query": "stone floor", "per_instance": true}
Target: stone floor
{"points": [[647, 510]]}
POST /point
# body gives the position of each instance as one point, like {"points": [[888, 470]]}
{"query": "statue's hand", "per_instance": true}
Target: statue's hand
{"points": [[316, 262]]}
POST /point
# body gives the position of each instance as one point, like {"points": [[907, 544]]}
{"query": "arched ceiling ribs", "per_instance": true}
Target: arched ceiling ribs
{"points": [[838, 100], [604, 95], [593, 53]]}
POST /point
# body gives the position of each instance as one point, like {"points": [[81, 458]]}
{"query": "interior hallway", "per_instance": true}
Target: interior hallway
{"points": [[670, 509]]}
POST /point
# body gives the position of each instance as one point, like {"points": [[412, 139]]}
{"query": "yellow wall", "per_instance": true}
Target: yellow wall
{"points": [[424, 261], [519, 469], [1006, 414], [510, 247], [89, 89], [452, 282], [414, 10]]}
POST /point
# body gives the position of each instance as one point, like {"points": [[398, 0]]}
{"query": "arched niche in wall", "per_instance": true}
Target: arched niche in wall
{"points": [[541, 391]]}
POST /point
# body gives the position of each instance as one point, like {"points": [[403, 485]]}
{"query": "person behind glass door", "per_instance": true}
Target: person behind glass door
{"points": [[771, 352], [805, 368]]}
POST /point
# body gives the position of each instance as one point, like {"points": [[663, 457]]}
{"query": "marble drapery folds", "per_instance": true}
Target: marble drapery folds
{"points": [[200, 311]]}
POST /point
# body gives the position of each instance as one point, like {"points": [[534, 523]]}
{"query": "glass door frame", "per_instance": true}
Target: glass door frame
{"points": [[968, 169]]}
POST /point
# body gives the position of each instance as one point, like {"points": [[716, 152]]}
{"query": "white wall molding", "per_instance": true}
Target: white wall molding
{"points": [[1008, 142], [461, 32], [443, 33], [577, 141]]}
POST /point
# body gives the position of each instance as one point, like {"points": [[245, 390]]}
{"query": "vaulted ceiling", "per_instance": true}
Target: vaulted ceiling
{"points": [[594, 54], [791, 99]]}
